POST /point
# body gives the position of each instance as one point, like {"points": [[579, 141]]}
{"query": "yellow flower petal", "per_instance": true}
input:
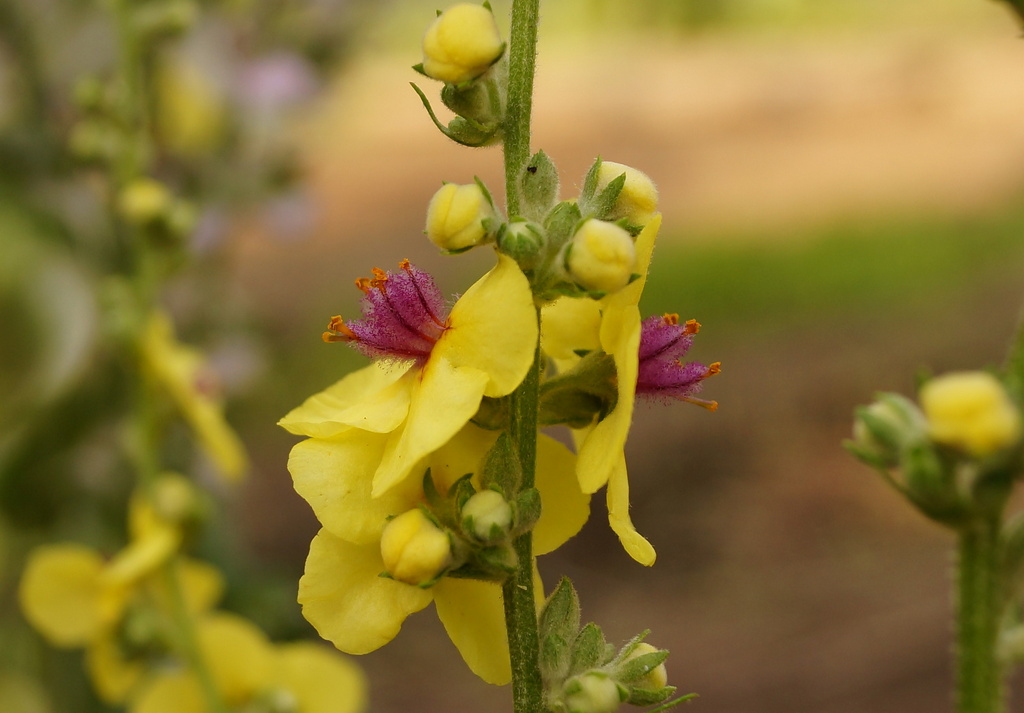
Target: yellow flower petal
{"points": [[62, 594], [113, 676], [178, 369], [568, 324], [375, 398], [474, 617], [322, 681], [464, 453], [446, 397], [618, 517], [334, 475], [142, 556], [172, 692], [565, 508], [602, 444], [493, 328], [238, 654], [343, 597]]}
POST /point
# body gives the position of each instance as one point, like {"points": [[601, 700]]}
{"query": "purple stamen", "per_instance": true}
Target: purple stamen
{"points": [[661, 371], [400, 316]]}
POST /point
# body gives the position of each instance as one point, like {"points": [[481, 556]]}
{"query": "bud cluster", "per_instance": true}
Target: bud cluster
{"points": [[955, 455], [585, 674]]}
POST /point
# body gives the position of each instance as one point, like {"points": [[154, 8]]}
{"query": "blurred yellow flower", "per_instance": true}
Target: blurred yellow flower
{"points": [[484, 348], [971, 410], [191, 113], [342, 593], [115, 608], [611, 324], [251, 673], [181, 372]]}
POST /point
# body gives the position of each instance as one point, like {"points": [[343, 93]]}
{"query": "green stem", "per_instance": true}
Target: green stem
{"points": [[979, 675], [518, 594], [188, 640], [522, 60]]}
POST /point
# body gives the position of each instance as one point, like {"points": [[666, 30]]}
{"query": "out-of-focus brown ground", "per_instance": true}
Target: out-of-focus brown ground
{"points": [[789, 578]]}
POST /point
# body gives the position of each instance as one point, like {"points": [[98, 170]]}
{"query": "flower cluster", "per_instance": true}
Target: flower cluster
{"points": [[426, 468], [956, 454]]}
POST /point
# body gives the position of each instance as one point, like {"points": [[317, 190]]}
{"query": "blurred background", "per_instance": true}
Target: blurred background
{"points": [[842, 185]]}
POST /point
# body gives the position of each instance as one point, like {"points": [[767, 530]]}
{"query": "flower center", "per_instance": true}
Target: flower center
{"points": [[662, 372], [403, 316]]}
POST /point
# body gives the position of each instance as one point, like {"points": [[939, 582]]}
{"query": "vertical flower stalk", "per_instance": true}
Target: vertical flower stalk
{"points": [[979, 681], [518, 594]]}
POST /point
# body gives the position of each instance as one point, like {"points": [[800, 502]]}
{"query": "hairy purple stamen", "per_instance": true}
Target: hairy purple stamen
{"points": [[400, 316], [662, 373]]}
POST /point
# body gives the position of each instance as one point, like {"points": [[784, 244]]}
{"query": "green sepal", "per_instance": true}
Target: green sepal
{"points": [[604, 202], [419, 68], [579, 396], [460, 130], [538, 187], [590, 649], [433, 497], [554, 657], [674, 703], [560, 223], [527, 509], [502, 469], [590, 182], [635, 669], [492, 414], [930, 485], [649, 696], [560, 615]]}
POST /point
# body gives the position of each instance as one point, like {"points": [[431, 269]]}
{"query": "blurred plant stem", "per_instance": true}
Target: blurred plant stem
{"points": [[979, 595], [140, 263], [518, 592]]}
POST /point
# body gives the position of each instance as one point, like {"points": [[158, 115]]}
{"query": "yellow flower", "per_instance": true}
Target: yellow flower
{"points": [[76, 598], [613, 325], [461, 44], [341, 592], [414, 549], [972, 411], [484, 348], [248, 670], [182, 373]]}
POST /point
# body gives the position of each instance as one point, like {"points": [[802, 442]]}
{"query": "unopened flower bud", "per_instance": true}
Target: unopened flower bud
{"points": [[487, 516], [592, 692], [601, 256], [461, 44], [144, 200], [883, 431], [971, 411], [523, 241], [657, 677], [414, 550], [456, 217], [638, 200]]}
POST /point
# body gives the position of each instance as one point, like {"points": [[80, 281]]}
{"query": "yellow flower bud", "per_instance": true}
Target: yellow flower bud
{"points": [[414, 550], [592, 692], [657, 677], [461, 44], [456, 215], [601, 257], [144, 200], [485, 511], [638, 200], [972, 411]]}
